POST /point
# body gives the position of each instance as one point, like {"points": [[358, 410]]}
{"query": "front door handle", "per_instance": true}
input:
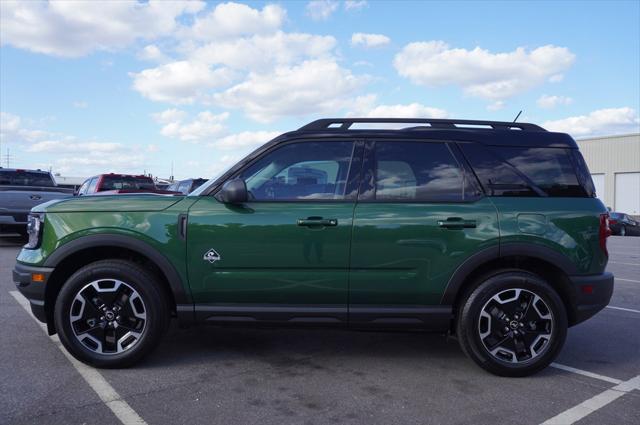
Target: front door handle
{"points": [[457, 223], [317, 222]]}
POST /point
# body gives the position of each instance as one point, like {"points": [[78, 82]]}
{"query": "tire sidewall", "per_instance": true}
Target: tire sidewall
{"points": [[133, 276], [483, 293]]}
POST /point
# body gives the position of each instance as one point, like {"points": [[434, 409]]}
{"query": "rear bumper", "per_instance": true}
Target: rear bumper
{"points": [[592, 294], [33, 291]]}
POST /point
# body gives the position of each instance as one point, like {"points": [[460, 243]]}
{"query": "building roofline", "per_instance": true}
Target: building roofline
{"points": [[614, 136]]}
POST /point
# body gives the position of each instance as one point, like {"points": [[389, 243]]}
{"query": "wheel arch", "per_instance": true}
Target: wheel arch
{"points": [[70, 257], [552, 266]]}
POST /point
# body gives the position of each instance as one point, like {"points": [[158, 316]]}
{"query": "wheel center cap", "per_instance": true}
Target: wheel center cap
{"points": [[109, 315], [514, 324]]}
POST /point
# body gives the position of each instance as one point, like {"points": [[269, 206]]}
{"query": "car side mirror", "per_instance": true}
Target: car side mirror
{"points": [[233, 192]]}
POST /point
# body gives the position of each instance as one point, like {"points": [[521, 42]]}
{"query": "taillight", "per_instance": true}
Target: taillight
{"points": [[612, 222], [604, 232]]}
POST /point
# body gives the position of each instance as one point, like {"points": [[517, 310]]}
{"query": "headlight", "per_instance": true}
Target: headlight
{"points": [[35, 224]]}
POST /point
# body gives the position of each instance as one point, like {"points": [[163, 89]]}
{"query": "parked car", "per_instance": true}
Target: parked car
{"points": [[110, 184], [21, 190], [186, 186], [624, 225], [489, 231]]}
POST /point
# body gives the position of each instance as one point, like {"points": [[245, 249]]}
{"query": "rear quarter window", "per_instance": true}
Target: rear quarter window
{"points": [[526, 171]]}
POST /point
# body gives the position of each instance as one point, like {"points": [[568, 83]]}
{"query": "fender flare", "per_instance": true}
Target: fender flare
{"points": [[538, 252], [180, 291]]}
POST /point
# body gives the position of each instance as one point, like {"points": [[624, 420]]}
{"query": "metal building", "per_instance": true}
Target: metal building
{"points": [[614, 162]]}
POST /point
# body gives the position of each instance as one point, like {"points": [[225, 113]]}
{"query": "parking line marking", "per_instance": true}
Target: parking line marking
{"points": [[626, 264], [627, 280], [623, 309], [594, 403], [586, 373], [96, 381]]}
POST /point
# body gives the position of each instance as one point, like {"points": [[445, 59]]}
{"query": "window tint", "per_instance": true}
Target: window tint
{"points": [[126, 182], [583, 173], [416, 171], [25, 178], [551, 169], [496, 177], [301, 171], [514, 171]]}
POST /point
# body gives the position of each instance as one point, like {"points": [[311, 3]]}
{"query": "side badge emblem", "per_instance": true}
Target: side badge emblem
{"points": [[211, 256]]}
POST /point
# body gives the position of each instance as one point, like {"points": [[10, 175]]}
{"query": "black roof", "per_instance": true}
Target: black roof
{"points": [[496, 133]]}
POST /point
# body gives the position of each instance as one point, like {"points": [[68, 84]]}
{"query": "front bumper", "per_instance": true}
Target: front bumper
{"points": [[34, 291], [592, 294]]}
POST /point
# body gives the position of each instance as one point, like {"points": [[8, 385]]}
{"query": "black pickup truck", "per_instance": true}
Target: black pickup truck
{"points": [[21, 190]]}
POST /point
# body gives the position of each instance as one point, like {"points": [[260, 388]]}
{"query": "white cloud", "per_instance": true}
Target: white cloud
{"points": [[80, 104], [355, 4], [366, 108], [550, 102], [600, 122], [496, 106], [76, 28], [205, 125], [152, 53], [316, 86], [369, 40], [492, 76], [65, 153], [179, 82], [245, 141], [12, 130], [169, 116], [261, 52], [71, 145], [320, 10], [234, 19]]}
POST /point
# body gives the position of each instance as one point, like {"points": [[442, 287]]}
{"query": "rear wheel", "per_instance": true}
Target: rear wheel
{"points": [[110, 313], [512, 324]]}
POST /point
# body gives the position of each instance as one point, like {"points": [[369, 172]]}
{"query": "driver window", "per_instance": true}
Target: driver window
{"points": [[300, 171]]}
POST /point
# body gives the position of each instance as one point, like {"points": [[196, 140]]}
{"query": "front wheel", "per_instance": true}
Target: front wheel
{"points": [[110, 313], [512, 324]]}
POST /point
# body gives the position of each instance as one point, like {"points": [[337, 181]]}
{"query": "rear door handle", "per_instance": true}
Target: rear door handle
{"points": [[457, 223], [317, 222]]}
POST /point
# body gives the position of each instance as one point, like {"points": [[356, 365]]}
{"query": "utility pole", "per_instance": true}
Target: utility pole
{"points": [[7, 158]]}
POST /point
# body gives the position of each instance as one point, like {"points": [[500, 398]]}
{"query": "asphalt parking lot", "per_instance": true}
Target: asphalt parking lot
{"points": [[227, 376]]}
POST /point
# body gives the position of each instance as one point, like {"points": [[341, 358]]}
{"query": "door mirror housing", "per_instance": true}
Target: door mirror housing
{"points": [[233, 192]]}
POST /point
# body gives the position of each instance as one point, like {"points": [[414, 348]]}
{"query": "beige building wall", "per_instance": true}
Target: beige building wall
{"points": [[611, 155]]}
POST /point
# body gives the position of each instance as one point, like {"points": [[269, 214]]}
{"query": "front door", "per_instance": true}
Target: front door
{"points": [[284, 255], [418, 217]]}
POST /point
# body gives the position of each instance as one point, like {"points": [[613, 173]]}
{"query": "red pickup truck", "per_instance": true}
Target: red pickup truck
{"points": [[109, 184]]}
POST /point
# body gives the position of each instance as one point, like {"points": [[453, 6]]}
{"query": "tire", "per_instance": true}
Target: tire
{"points": [[623, 231], [118, 312], [542, 332]]}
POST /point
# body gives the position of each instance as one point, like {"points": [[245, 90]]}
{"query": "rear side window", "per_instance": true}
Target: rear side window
{"points": [[25, 178], [416, 171], [525, 171], [496, 176]]}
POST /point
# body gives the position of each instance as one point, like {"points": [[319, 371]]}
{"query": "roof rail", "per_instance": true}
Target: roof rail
{"points": [[346, 123]]}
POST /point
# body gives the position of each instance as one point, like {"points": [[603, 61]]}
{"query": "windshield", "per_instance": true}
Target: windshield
{"points": [[126, 182], [25, 178]]}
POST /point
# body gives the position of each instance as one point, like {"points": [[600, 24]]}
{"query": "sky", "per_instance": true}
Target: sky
{"points": [[141, 86]]}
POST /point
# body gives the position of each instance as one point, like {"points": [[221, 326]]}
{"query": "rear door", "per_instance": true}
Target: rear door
{"points": [[284, 255], [419, 216]]}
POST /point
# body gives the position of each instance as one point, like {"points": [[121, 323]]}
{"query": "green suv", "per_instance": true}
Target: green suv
{"points": [[488, 231]]}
